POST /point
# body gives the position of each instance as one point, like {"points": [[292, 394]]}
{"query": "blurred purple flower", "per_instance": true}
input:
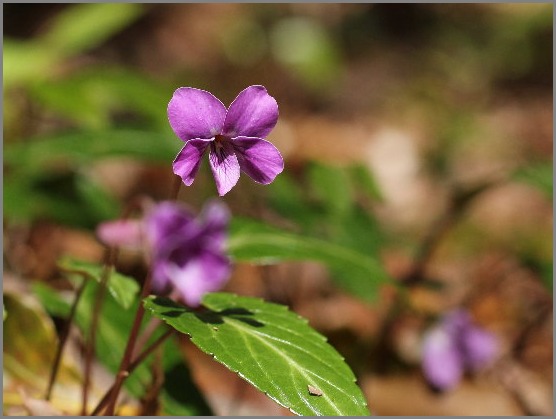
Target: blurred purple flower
{"points": [[235, 137], [187, 252], [454, 346]]}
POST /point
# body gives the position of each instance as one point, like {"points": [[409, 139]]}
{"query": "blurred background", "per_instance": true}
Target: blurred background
{"points": [[420, 134]]}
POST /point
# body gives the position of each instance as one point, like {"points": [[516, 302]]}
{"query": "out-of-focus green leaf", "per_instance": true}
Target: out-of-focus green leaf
{"points": [[358, 230], [364, 181], [179, 395], [75, 149], [51, 300], [288, 198], [304, 46], [74, 30], [90, 96], [331, 186], [81, 27], [123, 288], [356, 272], [25, 62], [272, 348], [98, 202], [19, 202], [538, 175], [29, 343], [69, 198]]}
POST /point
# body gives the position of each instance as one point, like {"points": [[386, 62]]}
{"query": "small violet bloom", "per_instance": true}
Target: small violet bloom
{"points": [[454, 346], [187, 252], [234, 136]]}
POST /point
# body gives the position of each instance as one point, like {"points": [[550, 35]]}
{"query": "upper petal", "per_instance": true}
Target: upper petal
{"points": [[187, 162], [258, 158], [253, 113], [224, 165], [195, 113]]}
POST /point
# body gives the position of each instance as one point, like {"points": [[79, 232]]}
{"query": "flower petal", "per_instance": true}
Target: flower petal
{"points": [[120, 233], [224, 165], [165, 220], [442, 362], [480, 347], [187, 162], [258, 158], [204, 273], [195, 113], [216, 217], [253, 113]]}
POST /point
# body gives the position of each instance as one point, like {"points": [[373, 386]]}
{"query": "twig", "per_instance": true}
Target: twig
{"points": [[63, 339], [102, 404], [126, 359], [112, 256]]}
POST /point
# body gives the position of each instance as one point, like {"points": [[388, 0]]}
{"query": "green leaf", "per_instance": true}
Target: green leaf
{"points": [[103, 91], [123, 288], [365, 182], [356, 272], [81, 27], [288, 198], [331, 186], [25, 62], [538, 175], [272, 348], [79, 148], [30, 343], [179, 396]]}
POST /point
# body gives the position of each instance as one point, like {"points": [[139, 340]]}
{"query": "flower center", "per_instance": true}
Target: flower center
{"points": [[219, 138]]}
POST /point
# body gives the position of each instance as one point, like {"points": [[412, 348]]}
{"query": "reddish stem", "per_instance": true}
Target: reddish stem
{"points": [[63, 339]]}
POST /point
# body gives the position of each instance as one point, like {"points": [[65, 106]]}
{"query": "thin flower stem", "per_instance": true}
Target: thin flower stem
{"points": [[147, 333], [112, 396], [63, 339], [126, 359], [110, 262], [111, 258], [140, 358]]}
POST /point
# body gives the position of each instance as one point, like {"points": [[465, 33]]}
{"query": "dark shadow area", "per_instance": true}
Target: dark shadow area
{"points": [[207, 315]]}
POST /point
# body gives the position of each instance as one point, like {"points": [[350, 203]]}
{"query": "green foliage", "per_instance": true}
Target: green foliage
{"points": [[27, 355], [356, 272], [73, 150], [92, 96], [46, 176], [303, 46], [538, 175], [270, 347], [179, 395], [334, 227], [123, 288], [331, 186], [76, 29], [84, 26]]}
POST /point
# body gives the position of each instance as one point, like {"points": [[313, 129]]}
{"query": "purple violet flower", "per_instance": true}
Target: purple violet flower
{"points": [[187, 252], [235, 137], [454, 346]]}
